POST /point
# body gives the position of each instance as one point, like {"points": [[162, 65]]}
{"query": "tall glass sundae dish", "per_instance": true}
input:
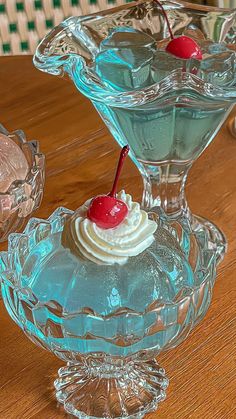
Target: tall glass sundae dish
{"points": [[163, 78], [106, 288]]}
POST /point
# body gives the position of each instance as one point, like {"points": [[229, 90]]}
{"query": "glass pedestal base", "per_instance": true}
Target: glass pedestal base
{"points": [[95, 389]]}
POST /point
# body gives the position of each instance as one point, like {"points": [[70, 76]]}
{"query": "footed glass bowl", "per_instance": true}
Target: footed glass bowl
{"points": [[23, 196], [108, 323]]}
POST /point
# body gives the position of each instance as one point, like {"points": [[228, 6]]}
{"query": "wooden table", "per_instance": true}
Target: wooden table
{"points": [[80, 156]]}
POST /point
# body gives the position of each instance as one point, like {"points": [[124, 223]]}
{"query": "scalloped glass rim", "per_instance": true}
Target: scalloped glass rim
{"points": [[16, 188], [38, 229], [174, 82], [75, 65]]}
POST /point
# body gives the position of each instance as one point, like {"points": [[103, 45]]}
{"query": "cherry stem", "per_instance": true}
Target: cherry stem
{"points": [[123, 155], [166, 18]]}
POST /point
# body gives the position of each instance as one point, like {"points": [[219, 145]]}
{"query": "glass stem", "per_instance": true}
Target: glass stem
{"points": [[164, 185]]}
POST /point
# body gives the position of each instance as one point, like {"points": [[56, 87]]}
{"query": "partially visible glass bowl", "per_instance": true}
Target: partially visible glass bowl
{"points": [[22, 196], [111, 371]]}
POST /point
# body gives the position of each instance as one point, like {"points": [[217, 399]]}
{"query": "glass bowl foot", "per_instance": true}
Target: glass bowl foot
{"points": [[216, 238], [108, 389]]}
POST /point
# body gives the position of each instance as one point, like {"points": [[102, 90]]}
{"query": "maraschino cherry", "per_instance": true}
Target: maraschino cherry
{"points": [[182, 46], [106, 210]]}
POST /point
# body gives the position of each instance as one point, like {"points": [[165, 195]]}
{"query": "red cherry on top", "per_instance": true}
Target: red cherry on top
{"points": [[106, 210], [182, 46]]}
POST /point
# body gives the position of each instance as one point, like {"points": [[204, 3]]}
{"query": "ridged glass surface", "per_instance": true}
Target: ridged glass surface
{"points": [[74, 306], [22, 196]]}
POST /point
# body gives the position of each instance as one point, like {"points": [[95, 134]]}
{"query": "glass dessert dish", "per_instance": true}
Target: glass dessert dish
{"points": [[106, 288], [107, 323], [168, 108], [21, 180]]}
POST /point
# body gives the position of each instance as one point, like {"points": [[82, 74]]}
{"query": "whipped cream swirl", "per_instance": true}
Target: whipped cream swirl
{"points": [[108, 246]]}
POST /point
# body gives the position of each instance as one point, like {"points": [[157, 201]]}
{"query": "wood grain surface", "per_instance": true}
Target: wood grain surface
{"points": [[80, 155]]}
